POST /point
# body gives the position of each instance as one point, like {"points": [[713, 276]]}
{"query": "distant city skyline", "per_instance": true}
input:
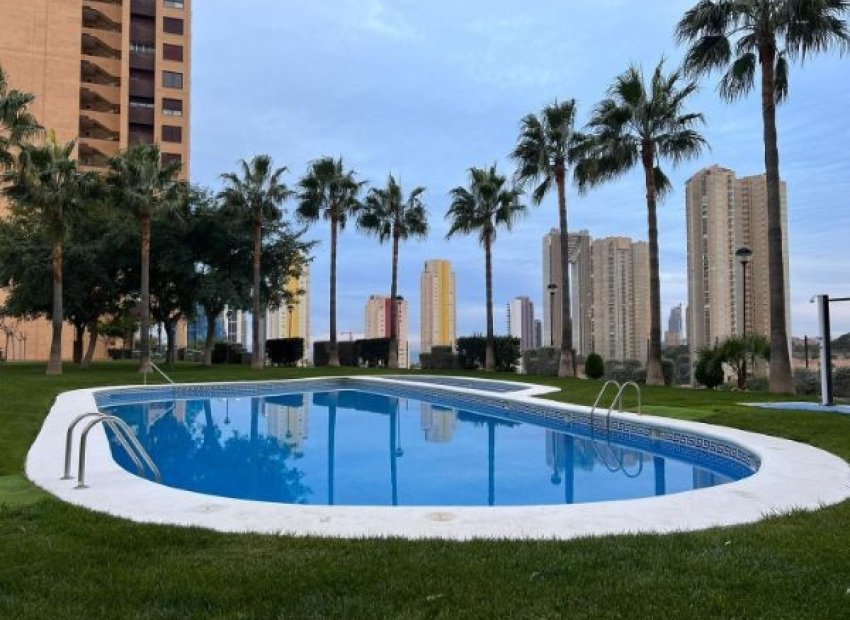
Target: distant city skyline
{"points": [[403, 74]]}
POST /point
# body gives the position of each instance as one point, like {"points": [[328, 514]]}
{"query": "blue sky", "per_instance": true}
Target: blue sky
{"points": [[427, 89]]}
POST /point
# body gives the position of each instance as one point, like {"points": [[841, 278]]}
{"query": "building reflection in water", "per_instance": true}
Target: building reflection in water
{"points": [[560, 458], [288, 421], [438, 423]]}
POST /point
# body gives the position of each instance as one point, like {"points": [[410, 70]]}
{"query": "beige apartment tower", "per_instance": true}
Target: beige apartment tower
{"points": [[377, 324], [723, 214], [438, 299], [620, 298], [293, 321], [581, 291], [109, 73]]}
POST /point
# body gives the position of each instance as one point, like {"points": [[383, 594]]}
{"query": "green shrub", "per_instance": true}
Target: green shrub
{"points": [[440, 358], [543, 362], [668, 370], [285, 351], [625, 370], [806, 382], [373, 352], [594, 367], [841, 383], [709, 368], [471, 351], [758, 384], [321, 354]]}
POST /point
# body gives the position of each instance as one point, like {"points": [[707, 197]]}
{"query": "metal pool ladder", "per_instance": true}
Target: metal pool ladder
{"points": [[161, 373], [618, 399], [125, 436]]}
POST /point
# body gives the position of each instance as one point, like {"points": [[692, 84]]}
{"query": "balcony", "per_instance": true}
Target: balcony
{"points": [[94, 46], [92, 128], [95, 101], [92, 158], [142, 85], [142, 61], [143, 7], [98, 20], [141, 115], [91, 73]]}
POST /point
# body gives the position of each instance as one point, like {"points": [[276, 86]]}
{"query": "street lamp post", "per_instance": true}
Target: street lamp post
{"points": [[289, 310], [743, 255], [552, 288]]}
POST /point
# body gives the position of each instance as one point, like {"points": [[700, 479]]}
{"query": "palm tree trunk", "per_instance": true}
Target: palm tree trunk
{"points": [[145, 318], [257, 355], [781, 381], [171, 338], [210, 341], [566, 367], [490, 352], [393, 355], [77, 348], [654, 369], [54, 365], [333, 350], [87, 358]]}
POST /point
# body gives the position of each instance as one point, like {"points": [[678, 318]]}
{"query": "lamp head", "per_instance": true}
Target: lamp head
{"points": [[743, 254]]}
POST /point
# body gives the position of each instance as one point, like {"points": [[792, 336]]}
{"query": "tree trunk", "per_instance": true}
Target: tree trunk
{"points": [[257, 355], [654, 369], [209, 344], [170, 337], [77, 350], [490, 352], [393, 361], [781, 381], [333, 350], [87, 359], [54, 365], [145, 302], [566, 367]]}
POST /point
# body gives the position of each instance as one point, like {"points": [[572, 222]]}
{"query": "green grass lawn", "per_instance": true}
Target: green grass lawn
{"points": [[58, 561]]}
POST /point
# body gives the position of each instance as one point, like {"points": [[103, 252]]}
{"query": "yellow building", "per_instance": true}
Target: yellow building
{"points": [[294, 321], [438, 305], [108, 72]]}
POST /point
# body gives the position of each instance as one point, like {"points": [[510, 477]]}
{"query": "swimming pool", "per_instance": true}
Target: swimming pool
{"points": [[372, 447], [382, 450]]}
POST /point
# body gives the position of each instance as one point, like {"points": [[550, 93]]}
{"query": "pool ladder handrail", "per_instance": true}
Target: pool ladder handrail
{"points": [[618, 399], [161, 373], [123, 433]]}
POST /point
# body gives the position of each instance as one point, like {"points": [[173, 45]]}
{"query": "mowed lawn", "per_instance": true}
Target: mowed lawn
{"points": [[57, 561]]}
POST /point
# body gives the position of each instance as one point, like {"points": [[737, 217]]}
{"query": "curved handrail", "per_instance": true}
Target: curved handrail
{"points": [[618, 400], [602, 393], [137, 445]]}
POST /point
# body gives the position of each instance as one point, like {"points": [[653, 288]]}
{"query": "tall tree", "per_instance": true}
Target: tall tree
{"points": [[45, 181], [257, 193], [388, 214], [329, 191], [17, 124], [640, 124], [483, 207], [545, 151], [143, 184], [739, 36]]}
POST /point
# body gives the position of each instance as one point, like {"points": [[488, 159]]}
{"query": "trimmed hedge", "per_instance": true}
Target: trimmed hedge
{"points": [[285, 351], [472, 351], [346, 353], [440, 358], [543, 362]]}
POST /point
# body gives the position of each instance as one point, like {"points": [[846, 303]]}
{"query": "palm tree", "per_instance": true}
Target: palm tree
{"points": [[17, 124], [736, 36], [545, 150], [483, 207], [45, 180], [330, 192], [257, 194], [388, 214], [143, 183], [641, 124]]}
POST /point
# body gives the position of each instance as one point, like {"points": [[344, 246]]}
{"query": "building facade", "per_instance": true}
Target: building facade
{"points": [[108, 73], [438, 305], [521, 322], [581, 291], [723, 214], [377, 324], [293, 321], [673, 335], [620, 298]]}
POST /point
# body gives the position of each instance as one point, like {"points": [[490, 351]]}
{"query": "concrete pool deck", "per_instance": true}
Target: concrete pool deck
{"points": [[792, 476]]}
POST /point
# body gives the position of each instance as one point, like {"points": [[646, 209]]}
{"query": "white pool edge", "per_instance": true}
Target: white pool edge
{"points": [[792, 476]]}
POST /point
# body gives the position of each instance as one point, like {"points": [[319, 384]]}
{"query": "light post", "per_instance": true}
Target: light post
{"points": [[552, 288], [743, 255], [289, 310]]}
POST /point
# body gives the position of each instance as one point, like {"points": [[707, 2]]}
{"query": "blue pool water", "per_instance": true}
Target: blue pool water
{"points": [[360, 447]]}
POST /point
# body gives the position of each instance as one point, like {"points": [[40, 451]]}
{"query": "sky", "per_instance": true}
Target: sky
{"points": [[426, 90]]}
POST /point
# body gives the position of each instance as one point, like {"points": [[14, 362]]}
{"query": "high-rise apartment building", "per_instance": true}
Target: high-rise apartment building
{"points": [[293, 321], [581, 291], [106, 72], [620, 298], [673, 335], [723, 214], [438, 299], [521, 322], [538, 333], [378, 312]]}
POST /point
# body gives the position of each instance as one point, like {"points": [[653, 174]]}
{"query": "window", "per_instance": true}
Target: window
{"points": [[172, 133], [172, 79], [173, 4], [141, 102], [172, 25], [172, 107], [170, 158], [172, 52]]}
